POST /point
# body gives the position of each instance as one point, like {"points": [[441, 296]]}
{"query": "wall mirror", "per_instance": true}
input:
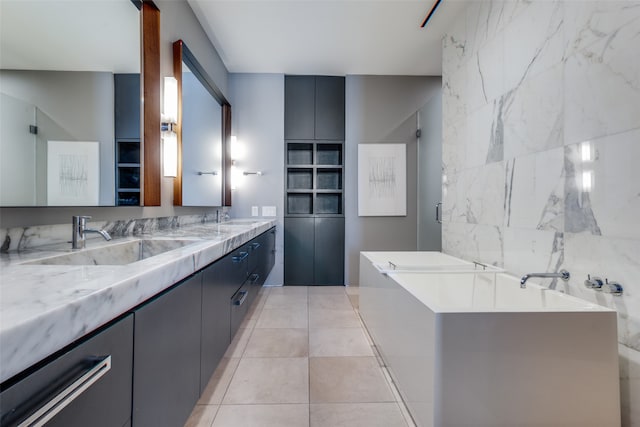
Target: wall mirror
{"points": [[202, 134], [70, 102]]}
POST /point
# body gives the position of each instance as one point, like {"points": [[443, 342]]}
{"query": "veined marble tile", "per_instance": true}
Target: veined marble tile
{"points": [[533, 115], [454, 144], [485, 74], [603, 186], [473, 242], [588, 22], [615, 259], [484, 193], [533, 251], [485, 135], [602, 87], [534, 191], [533, 42], [454, 97]]}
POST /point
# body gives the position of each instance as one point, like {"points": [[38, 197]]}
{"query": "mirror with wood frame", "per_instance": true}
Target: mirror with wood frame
{"points": [[203, 133]]}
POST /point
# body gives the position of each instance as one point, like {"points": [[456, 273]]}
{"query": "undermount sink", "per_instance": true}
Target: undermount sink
{"points": [[116, 254], [241, 222]]}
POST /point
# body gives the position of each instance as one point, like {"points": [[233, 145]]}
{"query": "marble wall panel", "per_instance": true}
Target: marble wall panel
{"points": [[541, 165]]}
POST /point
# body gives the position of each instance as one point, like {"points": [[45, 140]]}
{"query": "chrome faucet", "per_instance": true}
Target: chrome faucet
{"points": [[562, 274], [78, 240]]}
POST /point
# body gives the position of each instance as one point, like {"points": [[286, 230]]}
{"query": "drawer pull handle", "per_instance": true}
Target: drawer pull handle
{"points": [[254, 277], [255, 245], [68, 395], [243, 297], [241, 257]]}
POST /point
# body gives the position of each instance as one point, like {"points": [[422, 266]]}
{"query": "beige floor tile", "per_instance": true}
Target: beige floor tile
{"points": [[288, 290], [217, 386], [278, 343], [286, 301], [348, 380], [352, 290], [202, 416], [327, 318], [324, 290], [238, 343], [263, 416], [338, 342], [356, 415], [330, 301], [355, 301], [269, 380], [283, 318]]}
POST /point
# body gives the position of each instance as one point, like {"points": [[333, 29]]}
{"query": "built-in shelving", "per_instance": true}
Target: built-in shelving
{"points": [[314, 178]]}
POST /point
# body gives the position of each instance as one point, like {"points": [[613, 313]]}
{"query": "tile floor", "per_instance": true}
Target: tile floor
{"points": [[302, 359]]}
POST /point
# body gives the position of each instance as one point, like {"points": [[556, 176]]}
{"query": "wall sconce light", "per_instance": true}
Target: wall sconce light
{"points": [[237, 175], [169, 124]]}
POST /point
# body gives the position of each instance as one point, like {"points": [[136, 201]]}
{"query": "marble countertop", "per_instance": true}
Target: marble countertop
{"points": [[46, 307]]}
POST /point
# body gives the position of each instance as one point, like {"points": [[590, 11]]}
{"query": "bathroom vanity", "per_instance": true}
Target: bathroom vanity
{"points": [[125, 342], [467, 346]]}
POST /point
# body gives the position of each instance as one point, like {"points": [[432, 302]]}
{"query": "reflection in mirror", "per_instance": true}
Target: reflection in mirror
{"points": [[200, 119], [63, 106]]}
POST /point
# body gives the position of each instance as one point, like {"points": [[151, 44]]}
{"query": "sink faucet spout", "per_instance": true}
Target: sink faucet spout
{"points": [[562, 274], [78, 239]]}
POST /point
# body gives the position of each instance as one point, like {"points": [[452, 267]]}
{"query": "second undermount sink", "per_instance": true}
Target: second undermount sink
{"points": [[117, 253]]}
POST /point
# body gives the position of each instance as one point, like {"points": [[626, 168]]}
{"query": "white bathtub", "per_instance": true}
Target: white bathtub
{"points": [[474, 349]]}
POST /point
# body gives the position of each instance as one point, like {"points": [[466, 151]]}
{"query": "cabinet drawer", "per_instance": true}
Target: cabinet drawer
{"points": [[105, 402], [240, 303]]}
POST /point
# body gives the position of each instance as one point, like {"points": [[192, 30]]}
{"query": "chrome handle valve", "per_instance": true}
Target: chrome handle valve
{"points": [[613, 288], [593, 283]]}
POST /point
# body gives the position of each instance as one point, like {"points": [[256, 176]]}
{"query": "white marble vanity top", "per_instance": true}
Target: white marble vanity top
{"points": [[46, 307]]}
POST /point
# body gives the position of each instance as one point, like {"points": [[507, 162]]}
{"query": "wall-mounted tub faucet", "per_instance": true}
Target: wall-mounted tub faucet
{"points": [[562, 274], [78, 240]]}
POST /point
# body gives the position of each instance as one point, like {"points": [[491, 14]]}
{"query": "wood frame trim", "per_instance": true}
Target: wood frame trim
{"points": [[181, 53], [177, 73], [150, 70]]}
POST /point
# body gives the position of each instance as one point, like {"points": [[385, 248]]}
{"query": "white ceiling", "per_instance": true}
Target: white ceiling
{"points": [[70, 35], [330, 37]]}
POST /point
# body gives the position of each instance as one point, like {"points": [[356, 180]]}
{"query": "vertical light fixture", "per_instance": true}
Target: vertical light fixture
{"points": [[169, 122]]}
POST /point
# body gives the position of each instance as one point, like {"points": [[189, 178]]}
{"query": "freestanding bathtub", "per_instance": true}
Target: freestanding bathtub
{"points": [[469, 347]]}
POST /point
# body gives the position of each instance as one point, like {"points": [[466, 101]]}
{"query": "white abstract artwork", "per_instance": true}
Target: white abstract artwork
{"points": [[382, 180], [73, 173]]}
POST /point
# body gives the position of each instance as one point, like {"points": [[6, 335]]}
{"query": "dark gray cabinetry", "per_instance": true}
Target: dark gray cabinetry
{"points": [[314, 170], [329, 251], [299, 243], [314, 108], [299, 107], [314, 251], [166, 384], [329, 108], [107, 402], [216, 319]]}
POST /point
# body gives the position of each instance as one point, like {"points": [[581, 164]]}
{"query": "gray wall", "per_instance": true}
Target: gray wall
{"points": [[381, 109], [258, 123], [430, 173], [75, 104], [177, 22]]}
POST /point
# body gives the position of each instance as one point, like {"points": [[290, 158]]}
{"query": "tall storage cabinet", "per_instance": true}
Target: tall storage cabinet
{"points": [[314, 170]]}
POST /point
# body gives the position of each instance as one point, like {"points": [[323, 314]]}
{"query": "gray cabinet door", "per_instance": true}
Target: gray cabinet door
{"points": [[329, 106], [299, 107], [166, 384], [106, 403], [299, 251], [329, 251], [216, 315]]}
